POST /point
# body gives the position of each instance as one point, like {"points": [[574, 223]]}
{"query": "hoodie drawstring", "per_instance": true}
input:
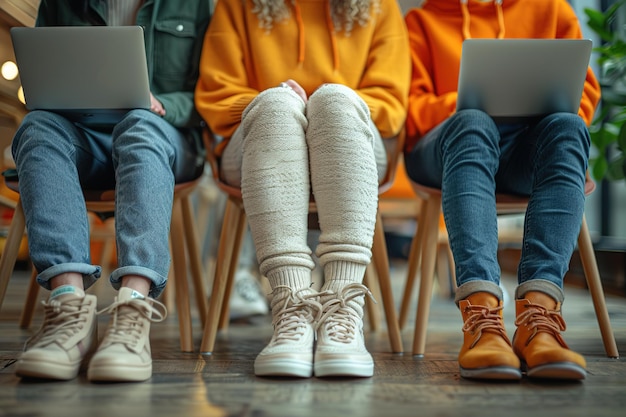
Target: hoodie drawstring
{"points": [[300, 33], [333, 39], [466, 19], [301, 37]]}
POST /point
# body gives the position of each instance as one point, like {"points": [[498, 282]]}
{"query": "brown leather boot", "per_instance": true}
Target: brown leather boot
{"points": [[486, 351], [538, 341]]}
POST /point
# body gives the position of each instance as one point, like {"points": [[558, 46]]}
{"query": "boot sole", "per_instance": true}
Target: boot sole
{"points": [[493, 372], [560, 370]]}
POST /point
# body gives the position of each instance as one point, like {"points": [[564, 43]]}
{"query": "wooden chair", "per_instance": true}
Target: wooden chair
{"points": [[184, 242], [423, 254], [234, 226]]}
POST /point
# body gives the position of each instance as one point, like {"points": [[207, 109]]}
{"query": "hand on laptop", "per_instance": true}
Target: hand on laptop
{"points": [[156, 106]]}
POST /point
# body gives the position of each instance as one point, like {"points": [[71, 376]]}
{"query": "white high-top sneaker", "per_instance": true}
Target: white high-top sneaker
{"points": [[67, 336], [340, 349], [124, 354], [290, 351]]}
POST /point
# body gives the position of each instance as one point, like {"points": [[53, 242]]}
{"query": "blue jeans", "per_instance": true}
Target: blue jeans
{"points": [[141, 157], [470, 157]]}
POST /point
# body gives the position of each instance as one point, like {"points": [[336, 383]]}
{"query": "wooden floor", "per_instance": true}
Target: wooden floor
{"points": [[223, 384]]}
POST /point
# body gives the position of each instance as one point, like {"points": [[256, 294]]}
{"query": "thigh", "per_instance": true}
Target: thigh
{"points": [[424, 163]]}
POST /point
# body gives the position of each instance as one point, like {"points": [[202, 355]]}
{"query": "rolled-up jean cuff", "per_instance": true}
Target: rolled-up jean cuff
{"points": [[471, 287], [540, 285], [158, 281], [90, 273]]}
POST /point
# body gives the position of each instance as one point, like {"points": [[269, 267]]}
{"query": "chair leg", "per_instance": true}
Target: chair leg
{"points": [[373, 313], [180, 278], [429, 245], [233, 212], [381, 261], [590, 266], [414, 263], [11, 248], [232, 270], [30, 304], [197, 273]]}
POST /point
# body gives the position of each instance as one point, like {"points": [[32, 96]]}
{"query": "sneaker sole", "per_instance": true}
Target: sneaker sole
{"points": [[113, 374], [346, 368], [561, 370], [282, 367], [494, 372], [46, 370]]}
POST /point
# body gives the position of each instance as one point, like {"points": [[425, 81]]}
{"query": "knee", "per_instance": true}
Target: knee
{"points": [[278, 102], [41, 128], [566, 131], [470, 128], [332, 99]]}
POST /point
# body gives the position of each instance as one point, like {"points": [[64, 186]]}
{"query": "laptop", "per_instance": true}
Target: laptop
{"points": [[90, 74], [517, 78]]}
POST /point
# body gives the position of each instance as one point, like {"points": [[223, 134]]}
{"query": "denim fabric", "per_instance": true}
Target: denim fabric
{"points": [[141, 157], [470, 156]]}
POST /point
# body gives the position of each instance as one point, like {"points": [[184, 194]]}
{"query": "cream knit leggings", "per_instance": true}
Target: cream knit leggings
{"points": [[283, 150]]}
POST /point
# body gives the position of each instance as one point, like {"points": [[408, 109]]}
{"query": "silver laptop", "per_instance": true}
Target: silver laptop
{"points": [[513, 78], [91, 74]]}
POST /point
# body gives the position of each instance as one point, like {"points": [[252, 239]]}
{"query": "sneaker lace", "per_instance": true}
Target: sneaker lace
{"points": [[127, 326], [295, 312], [541, 320], [62, 320], [340, 320], [484, 319]]}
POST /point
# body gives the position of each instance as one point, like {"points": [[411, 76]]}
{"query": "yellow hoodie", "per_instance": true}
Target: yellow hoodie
{"points": [[240, 59], [436, 33]]}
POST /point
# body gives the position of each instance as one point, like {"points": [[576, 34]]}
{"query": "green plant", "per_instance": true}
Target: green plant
{"points": [[608, 130]]}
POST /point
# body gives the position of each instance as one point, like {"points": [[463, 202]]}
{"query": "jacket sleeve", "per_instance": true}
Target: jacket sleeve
{"points": [[385, 83]]}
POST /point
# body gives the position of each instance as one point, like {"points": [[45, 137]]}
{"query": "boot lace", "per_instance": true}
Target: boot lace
{"points": [[340, 320], [484, 319], [62, 320], [294, 312], [127, 324], [539, 319]]}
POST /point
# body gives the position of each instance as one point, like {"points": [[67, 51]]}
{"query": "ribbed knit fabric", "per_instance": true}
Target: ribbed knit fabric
{"points": [[289, 148], [344, 180], [275, 183]]}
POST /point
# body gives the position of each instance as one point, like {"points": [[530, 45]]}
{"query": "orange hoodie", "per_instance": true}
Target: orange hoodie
{"points": [[436, 33], [240, 59]]}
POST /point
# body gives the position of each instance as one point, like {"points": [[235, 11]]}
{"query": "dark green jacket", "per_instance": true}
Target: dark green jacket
{"points": [[174, 32]]}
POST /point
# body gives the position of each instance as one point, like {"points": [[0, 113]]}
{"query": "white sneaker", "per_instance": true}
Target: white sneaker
{"points": [[340, 349], [124, 354], [67, 336], [290, 351], [247, 298]]}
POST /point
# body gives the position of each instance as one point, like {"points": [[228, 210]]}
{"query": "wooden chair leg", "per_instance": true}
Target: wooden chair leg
{"points": [[11, 248], [381, 261], [415, 255], [180, 278], [233, 263], [590, 266], [429, 245], [233, 212], [373, 312], [30, 304], [193, 250]]}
